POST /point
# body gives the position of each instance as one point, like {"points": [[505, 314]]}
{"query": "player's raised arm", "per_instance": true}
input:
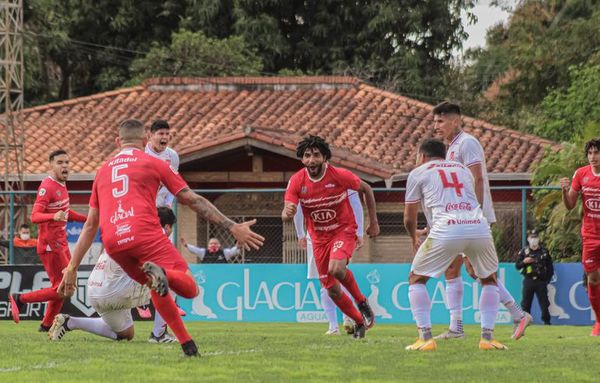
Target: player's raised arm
{"points": [[569, 196], [241, 231], [373, 229], [90, 228]]}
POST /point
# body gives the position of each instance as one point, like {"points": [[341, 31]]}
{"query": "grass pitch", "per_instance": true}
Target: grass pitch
{"points": [[277, 352]]}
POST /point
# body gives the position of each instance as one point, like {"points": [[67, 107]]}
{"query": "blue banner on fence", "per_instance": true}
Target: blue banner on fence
{"points": [[281, 293], [74, 231]]}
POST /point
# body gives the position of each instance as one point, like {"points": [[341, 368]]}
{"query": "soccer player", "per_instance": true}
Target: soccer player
{"points": [[113, 294], [322, 191], [123, 206], [456, 225], [306, 243], [158, 146], [51, 211], [586, 182], [465, 148]]}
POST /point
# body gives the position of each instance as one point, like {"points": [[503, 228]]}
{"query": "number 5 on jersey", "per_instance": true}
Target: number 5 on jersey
{"points": [[123, 179], [454, 184]]}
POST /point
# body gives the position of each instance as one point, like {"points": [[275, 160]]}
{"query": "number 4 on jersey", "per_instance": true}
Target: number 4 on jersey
{"points": [[454, 184]]}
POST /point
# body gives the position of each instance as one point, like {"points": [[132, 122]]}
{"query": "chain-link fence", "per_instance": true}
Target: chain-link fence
{"points": [[513, 207]]}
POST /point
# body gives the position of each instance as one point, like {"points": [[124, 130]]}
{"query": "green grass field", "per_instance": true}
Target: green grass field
{"points": [[276, 352]]}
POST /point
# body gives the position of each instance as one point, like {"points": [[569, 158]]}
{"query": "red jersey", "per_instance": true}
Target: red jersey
{"points": [[52, 197], [124, 192], [324, 202], [588, 184]]}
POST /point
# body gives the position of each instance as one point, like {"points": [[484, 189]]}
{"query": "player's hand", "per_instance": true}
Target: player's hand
{"points": [[245, 236], [422, 232], [67, 285], [373, 230], [565, 183], [528, 260], [360, 241], [416, 243], [302, 243], [289, 210], [60, 216], [183, 242]]}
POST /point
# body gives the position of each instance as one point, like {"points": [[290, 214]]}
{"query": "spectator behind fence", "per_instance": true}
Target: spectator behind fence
{"points": [[214, 253], [24, 247], [536, 266]]}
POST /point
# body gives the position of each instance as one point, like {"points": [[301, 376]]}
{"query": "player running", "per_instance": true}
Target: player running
{"points": [[123, 206], [467, 150], [322, 191], [306, 243], [456, 225], [113, 294], [586, 182], [51, 211]]}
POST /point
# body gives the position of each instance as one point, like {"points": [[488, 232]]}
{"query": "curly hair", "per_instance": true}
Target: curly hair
{"points": [[313, 142], [593, 143]]}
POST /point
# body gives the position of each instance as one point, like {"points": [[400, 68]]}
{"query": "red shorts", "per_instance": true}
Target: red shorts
{"points": [[162, 252], [54, 263], [341, 246], [591, 255]]}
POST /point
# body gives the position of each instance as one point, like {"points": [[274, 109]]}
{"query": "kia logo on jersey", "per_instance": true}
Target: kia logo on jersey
{"points": [[322, 216], [593, 204]]}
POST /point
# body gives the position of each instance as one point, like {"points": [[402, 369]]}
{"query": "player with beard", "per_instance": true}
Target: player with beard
{"points": [[51, 211], [322, 192]]}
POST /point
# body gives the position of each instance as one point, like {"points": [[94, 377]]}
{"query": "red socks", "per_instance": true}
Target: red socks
{"points": [[52, 310], [42, 295], [182, 284], [350, 284], [168, 310], [345, 304], [594, 296]]}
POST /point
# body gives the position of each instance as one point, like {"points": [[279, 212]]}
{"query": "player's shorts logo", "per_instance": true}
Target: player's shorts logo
{"points": [[593, 204], [337, 245], [322, 216]]}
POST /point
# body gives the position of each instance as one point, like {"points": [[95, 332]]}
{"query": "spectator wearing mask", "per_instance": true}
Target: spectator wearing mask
{"points": [[214, 253], [23, 238]]}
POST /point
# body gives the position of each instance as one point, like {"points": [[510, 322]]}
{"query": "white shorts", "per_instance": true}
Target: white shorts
{"points": [[118, 320], [435, 256], [312, 272], [115, 309]]}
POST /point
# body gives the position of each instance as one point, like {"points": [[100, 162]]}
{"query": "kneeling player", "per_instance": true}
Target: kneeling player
{"points": [[457, 225], [113, 294]]}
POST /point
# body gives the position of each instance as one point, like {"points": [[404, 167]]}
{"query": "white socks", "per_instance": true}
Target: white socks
{"points": [[509, 302], [488, 305], [93, 325], [159, 324], [454, 295], [420, 305], [330, 309]]}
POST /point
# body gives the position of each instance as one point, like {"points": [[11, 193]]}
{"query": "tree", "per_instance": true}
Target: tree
{"points": [[193, 54]]}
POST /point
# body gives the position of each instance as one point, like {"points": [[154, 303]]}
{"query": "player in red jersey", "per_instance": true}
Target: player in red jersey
{"points": [[123, 206], [586, 182], [322, 191], [51, 212]]}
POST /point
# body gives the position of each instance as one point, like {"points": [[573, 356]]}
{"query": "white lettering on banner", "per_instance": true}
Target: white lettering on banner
{"points": [[395, 292], [573, 300], [311, 317], [276, 295], [238, 306]]}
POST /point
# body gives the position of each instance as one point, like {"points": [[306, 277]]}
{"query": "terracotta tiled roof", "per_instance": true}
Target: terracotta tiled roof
{"points": [[370, 129]]}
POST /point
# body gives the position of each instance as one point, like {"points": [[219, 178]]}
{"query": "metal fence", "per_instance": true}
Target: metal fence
{"points": [[513, 206]]}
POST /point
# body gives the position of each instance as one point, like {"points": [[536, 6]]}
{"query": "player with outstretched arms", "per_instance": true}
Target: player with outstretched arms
{"points": [[322, 192], [123, 206], [446, 192]]}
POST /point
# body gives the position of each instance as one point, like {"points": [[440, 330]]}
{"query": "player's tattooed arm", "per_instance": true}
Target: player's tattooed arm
{"points": [[203, 207]]}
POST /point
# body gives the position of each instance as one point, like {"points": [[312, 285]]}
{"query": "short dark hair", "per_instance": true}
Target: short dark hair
{"points": [[166, 216], [24, 226], [593, 143], [56, 153], [446, 107], [159, 124], [313, 142], [433, 148]]}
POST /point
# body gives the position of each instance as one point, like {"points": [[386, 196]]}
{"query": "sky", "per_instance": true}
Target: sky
{"points": [[487, 16]]}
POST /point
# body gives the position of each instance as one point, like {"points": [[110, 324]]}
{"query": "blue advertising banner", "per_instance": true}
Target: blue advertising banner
{"points": [[74, 230], [281, 293]]}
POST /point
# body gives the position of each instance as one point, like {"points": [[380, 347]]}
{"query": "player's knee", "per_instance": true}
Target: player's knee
{"points": [[593, 278], [338, 272], [415, 278], [126, 334], [490, 280]]}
